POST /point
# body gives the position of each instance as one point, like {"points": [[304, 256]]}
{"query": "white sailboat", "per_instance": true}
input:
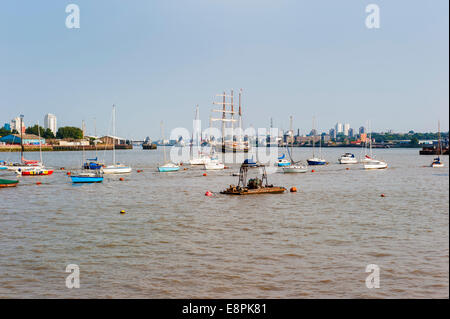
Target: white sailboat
{"points": [[316, 160], [115, 168], [197, 157], [293, 167], [437, 161], [370, 162], [167, 166]]}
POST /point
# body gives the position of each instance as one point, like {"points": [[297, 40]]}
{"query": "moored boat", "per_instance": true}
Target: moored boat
{"points": [[8, 183], [295, 169], [437, 163], [254, 185], [169, 167], [36, 171], [348, 158], [87, 177], [282, 161], [92, 164], [375, 164], [316, 161], [214, 164], [115, 168]]}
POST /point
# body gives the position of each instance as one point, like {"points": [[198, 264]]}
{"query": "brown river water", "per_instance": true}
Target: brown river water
{"points": [[174, 242]]}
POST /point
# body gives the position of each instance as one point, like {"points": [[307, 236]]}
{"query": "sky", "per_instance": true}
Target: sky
{"points": [[155, 60]]}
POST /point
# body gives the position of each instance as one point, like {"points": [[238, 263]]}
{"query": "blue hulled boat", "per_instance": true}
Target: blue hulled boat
{"points": [[92, 164], [282, 161], [316, 161], [87, 178]]}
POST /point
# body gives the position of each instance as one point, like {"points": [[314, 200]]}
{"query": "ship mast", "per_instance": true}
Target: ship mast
{"points": [[21, 138], [439, 138]]}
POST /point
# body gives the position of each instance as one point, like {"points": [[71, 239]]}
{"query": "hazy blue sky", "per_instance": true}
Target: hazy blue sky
{"points": [[157, 59]]}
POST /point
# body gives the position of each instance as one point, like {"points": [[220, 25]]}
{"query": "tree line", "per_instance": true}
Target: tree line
{"points": [[63, 132]]}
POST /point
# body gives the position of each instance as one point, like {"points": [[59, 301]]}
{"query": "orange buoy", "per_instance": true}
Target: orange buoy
{"points": [[204, 174], [68, 173], [293, 189], [208, 193], [121, 179], [347, 168], [185, 169], [62, 168]]}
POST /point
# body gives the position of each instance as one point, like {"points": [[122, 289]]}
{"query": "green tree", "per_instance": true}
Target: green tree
{"points": [[4, 132], [69, 132], [39, 130], [414, 141]]}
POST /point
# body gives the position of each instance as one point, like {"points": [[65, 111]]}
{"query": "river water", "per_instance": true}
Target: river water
{"points": [[174, 242]]}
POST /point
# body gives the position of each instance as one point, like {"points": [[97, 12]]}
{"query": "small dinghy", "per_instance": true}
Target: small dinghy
{"points": [[8, 183]]}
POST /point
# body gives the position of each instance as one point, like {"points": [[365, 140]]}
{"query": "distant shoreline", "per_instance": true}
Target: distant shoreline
{"points": [[58, 148]]}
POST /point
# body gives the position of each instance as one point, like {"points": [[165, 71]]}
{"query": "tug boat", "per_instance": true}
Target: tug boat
{"points": [[254, 185]]}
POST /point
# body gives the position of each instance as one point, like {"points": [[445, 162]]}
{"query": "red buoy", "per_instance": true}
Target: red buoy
{"points": [[68, 173], [121, 179], [38, 183], [208, 193], [204, 174], [312, 171], [293, 189], [347, 168], [382, 195]]}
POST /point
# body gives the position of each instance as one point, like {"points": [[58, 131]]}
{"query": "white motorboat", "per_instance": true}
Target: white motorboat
{"points": [[295, 169], [348, 158], [201, 160], [214, 164], [375, 164], [116, 169]]}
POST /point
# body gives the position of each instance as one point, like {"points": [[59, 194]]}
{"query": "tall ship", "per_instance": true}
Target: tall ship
{"points": [[233, 143]]}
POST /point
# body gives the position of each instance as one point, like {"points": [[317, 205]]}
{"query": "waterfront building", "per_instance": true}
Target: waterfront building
{"points": [[50, 122], [339, 128], [28, 139]]}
